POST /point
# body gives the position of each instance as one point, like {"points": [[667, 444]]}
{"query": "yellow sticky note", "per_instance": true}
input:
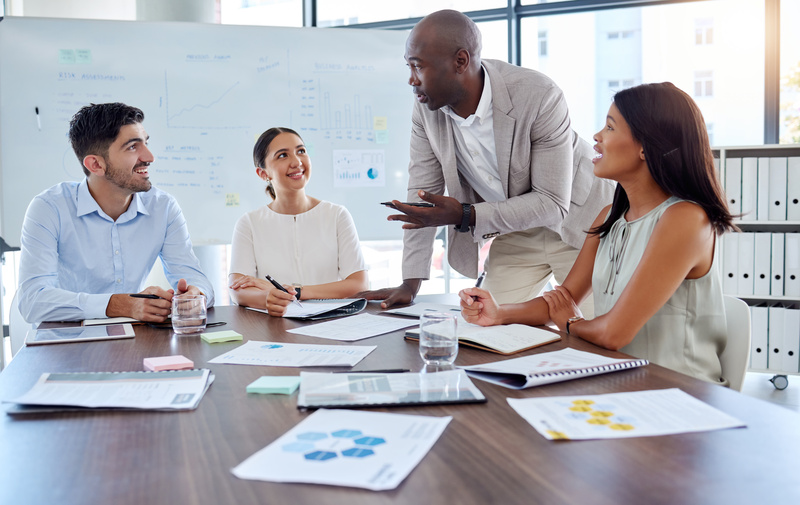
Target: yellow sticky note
{"points": [[232, 199], [380, 123], [221, 336]]}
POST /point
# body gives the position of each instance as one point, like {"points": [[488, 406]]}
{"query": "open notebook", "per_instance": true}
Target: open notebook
{"points": [[502, 339]]}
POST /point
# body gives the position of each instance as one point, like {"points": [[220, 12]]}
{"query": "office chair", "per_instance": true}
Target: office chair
{"points": [[736, 356], [17, 326]]}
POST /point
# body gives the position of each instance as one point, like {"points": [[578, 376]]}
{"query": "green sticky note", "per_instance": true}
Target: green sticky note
{"points": [[221, 336], [269, 385]]}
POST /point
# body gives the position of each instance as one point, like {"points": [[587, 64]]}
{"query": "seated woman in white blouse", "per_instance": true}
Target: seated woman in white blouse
{"points": [[310, 246]]}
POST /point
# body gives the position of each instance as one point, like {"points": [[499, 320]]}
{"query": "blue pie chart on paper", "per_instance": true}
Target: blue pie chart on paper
{"points": [[372, 173], [271, 346]]}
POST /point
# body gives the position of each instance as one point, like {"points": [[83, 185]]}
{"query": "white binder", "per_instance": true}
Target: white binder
{"points": [[733, 184], [744, 285], [793, 190], [759, 321], [791, 340], [761, 264], [775, 339], [777, 189], [762, 200], [776, 269], [749, 188], [730, 263], [791, 279]]}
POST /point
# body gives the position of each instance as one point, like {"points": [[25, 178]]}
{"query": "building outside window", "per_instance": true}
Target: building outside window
{"points": [[703, 83]]}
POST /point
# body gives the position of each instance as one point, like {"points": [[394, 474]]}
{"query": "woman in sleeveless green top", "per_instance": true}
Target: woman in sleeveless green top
{"points": [[649, 258]]}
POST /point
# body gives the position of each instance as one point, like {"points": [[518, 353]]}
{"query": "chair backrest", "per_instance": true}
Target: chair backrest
{"points": [[736, 356], [17, 327]]}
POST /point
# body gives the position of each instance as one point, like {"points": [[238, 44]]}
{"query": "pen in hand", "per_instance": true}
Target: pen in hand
{"points": [[278, 286], [145, 295], [479, 282]]}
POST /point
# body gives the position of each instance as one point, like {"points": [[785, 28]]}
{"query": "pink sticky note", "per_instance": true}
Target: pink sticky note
{"points": [[168, 363]]}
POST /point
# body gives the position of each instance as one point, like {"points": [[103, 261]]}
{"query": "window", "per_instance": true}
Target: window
{"points": [[261, 12], [542, 43], [710, 131], [703, 83], [789, 113], [350, 12], [704, 32], [587, 51]]}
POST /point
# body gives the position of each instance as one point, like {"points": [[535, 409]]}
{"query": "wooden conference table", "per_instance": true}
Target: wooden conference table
{"points": [[488, 453]]}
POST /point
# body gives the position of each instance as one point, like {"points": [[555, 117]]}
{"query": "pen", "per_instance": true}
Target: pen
{"points": [[145, 295], [277, 285], [480, 279], [389, 370], [38, 119]]}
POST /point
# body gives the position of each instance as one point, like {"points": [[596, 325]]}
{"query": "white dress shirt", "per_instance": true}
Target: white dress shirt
{"points": [[476, 155]]}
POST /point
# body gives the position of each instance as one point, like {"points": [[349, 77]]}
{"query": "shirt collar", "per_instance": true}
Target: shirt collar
{"points": [[484, 104], [86, 204]]}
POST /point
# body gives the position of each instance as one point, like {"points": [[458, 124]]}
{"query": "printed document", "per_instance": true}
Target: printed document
{"points": [[255, 352], [166, 390], [371, 450], [418, 309], [352, 328], [621, 415]]}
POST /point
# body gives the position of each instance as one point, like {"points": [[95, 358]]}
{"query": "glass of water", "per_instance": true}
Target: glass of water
{"points": [[438, 343], [188, 313]]}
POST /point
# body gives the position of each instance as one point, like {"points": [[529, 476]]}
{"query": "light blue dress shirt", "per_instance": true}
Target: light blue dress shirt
{"points": [[74, 256]]}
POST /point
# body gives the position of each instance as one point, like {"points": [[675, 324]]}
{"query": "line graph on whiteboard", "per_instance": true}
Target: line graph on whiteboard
{"points": [[191, 106]]}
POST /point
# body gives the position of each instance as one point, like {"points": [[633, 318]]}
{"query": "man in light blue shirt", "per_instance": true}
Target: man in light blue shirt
{"points": [[86, 246]]}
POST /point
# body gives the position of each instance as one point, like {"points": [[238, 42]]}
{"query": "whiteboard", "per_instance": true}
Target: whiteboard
{"points": [[208, 91]]}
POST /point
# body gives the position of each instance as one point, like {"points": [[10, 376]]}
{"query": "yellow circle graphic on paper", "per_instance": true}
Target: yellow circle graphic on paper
{"points": [[621, 427], [602, 413], [583, 402], [580, 408], [557, 435], [598, 420]]}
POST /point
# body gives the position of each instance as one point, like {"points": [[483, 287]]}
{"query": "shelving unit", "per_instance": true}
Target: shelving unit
{"points": [[776, 354]]}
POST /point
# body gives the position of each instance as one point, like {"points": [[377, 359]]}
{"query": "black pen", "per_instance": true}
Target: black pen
{"points": [[145, 295], [480, 279], [389, 370], [277, 285]]}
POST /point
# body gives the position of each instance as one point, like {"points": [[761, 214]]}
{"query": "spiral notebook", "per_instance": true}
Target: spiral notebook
{"points": [[549, 367]]}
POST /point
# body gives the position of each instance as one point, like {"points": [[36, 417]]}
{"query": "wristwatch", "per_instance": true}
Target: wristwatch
{"points": [[297, 289], [573, 319], [466, 215]]}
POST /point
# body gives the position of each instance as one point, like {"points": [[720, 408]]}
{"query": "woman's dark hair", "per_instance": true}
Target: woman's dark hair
{"points": [[262, 146], [671, 129], [95, 127]]}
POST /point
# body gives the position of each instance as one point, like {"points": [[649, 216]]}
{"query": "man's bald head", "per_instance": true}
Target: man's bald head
{"points": [[448, 31]]}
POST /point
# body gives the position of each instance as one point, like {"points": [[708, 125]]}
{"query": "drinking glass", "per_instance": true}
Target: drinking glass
{"points": [[188, 314], [438, 343]]}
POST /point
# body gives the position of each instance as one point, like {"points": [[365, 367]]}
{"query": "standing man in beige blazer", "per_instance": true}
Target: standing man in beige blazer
{"points": [[497, 137]]}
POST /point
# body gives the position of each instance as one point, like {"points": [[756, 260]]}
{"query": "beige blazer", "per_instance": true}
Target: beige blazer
{"points": [[545, 168]]}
